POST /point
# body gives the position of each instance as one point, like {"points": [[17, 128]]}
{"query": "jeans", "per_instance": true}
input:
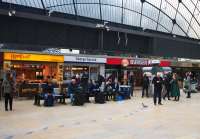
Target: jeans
{"points": [[157, 94], [8, 98]]}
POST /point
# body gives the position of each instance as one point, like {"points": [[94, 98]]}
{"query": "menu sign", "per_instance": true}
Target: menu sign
{"points": [[83, 59], [32, 57]]}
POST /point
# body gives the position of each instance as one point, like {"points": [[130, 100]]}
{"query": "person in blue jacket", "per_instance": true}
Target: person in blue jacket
{"points": [[94, 87]]}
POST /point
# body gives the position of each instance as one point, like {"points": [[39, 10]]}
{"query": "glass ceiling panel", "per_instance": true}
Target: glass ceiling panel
{"points": [[174, 3], [87, 1], [148, 23], [155, 3], [165, 21], [178, 31], [194, 1], [29, 3], [89, 10], [181, 22], [162, 29], [113, 14], [112, 2], [151, 12], [192, 33], [133, 5], [131, 18], [189, 5], [64, 6], [197, 12], [186, 13], [195, 25], [168, 9], [65, 9], [128, 12]]}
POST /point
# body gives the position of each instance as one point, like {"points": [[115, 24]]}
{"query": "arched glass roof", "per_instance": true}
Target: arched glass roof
{"points": [[180, 17]]}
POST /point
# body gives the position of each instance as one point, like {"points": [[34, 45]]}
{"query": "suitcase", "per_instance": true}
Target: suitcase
{"points": [[99, 98], [78, 100], [125, 91], [49, 100]]}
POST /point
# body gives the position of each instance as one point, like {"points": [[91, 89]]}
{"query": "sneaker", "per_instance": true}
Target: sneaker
{"points": [[160, 104]]}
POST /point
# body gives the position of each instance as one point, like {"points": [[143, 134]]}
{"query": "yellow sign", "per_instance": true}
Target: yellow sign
{"points": [[33, 57]]}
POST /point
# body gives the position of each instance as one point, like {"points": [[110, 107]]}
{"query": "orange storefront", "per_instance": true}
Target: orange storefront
{"points": [[33, 67]]}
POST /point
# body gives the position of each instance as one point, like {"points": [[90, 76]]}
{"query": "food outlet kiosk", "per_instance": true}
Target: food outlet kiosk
{"points": [[122, 68], [77, 65], [31, 69], [34, 67]]}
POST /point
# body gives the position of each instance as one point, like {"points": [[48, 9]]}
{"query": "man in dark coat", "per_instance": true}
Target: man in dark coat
{"points": [[131, 82], [72, 88], [145, 85], [167, 86], [115, 89], [8, 87], [157, 81], [101, 79], [84, 85]]}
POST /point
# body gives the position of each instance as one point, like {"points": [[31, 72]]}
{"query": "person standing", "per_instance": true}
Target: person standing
{"points": [[100, 80], [131, 82], [157, 81], [84, 85], [1, 81], [188, 85], [108, 90], [115, 89], [145, 85], [8, 87], [167, 86], [72, 89], [175, 91]]}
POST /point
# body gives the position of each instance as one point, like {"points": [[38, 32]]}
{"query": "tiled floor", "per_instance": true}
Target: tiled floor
{"points": [[113, 120]]}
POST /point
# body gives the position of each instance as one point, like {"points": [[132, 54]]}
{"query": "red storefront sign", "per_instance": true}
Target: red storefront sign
{"points": [[114, 61], [165, 63], [126, 62], [135, 62]]}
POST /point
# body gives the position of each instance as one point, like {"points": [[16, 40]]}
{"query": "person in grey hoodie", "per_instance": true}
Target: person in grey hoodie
{"points": [[8, 90]]}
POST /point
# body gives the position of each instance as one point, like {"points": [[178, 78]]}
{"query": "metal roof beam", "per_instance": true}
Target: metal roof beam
{"points": [[75, 10], [43, 5]]}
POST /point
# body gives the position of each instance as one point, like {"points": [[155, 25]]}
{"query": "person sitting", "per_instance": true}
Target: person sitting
{"points": [[43, 90], [94, 87], [48, 97], [115, 89], [108, 90]]}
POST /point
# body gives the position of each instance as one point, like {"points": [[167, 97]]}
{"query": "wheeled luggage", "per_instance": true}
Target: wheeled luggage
{"points": [[78, 99], [125, 91], [49, 100]]}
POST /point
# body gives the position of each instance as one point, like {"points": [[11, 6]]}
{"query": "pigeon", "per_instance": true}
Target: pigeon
{"points": [[144, 106]]}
